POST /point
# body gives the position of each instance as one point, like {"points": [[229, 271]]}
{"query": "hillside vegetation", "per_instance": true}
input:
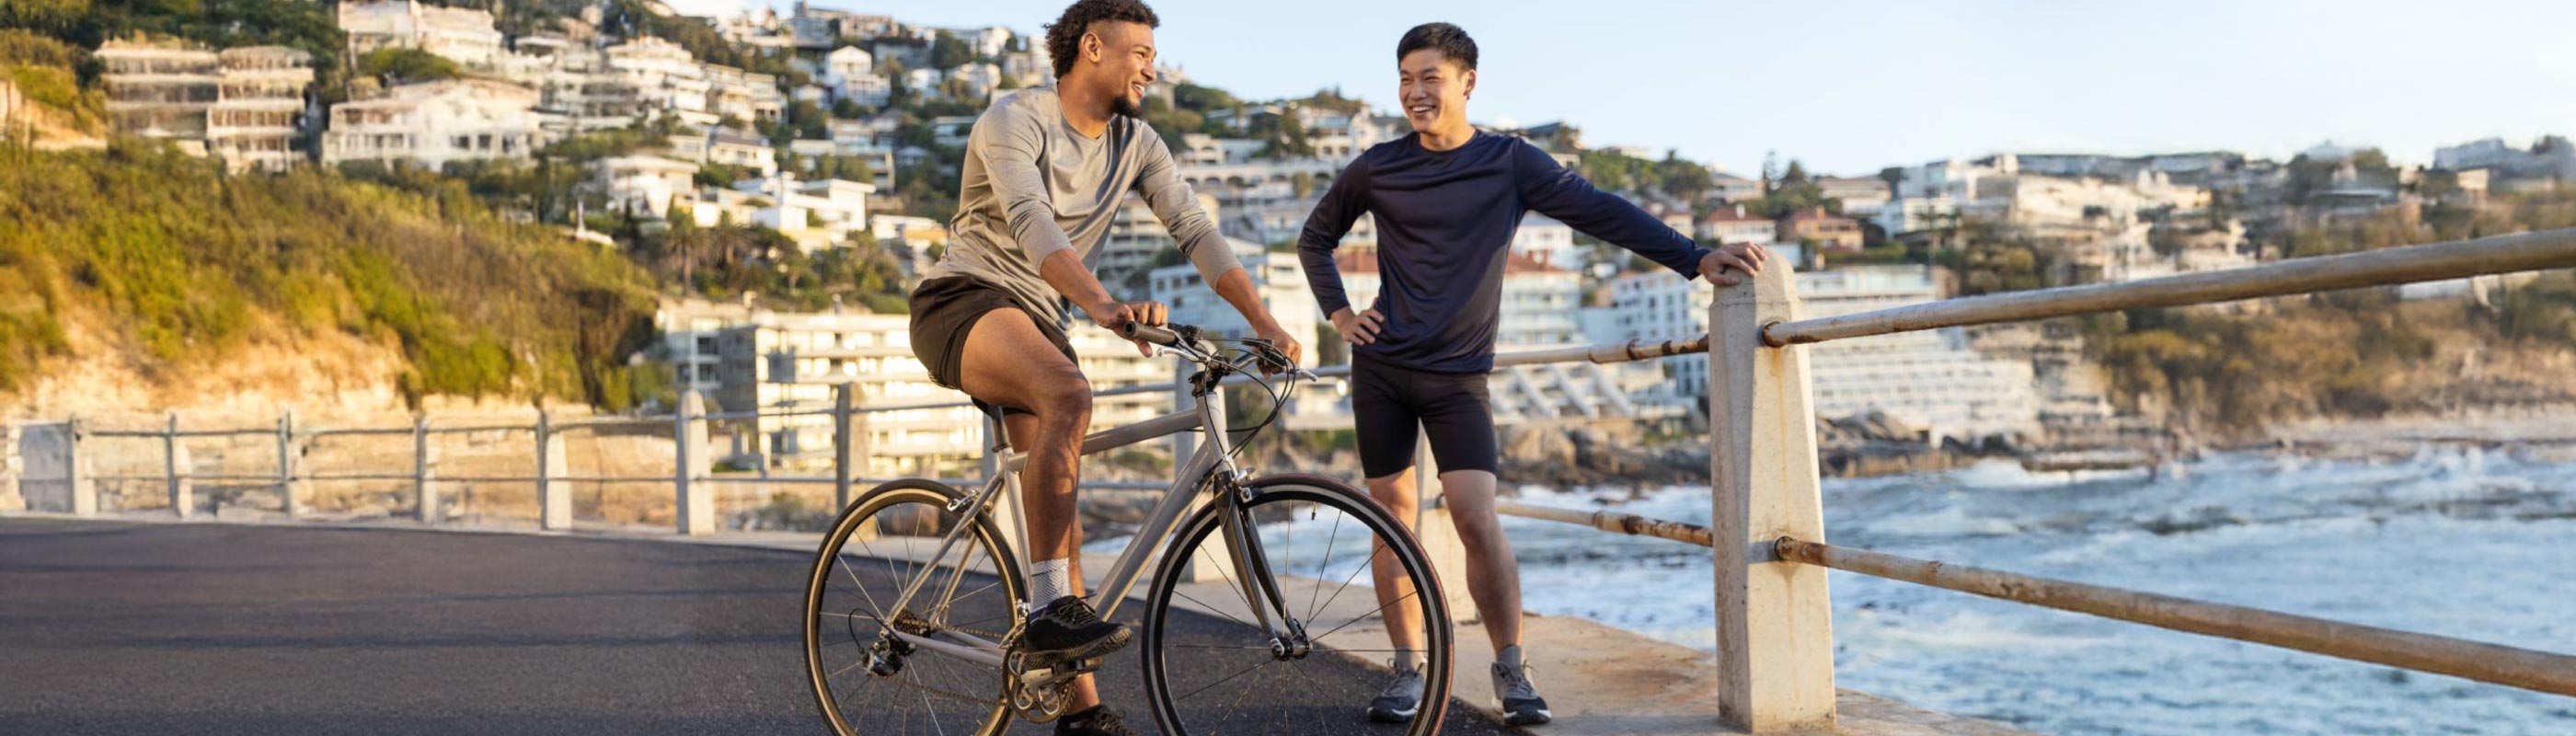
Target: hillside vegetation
{"points": [[170, 263]]}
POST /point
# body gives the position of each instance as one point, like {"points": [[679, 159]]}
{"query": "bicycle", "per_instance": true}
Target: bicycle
{"points": [[954, 611]]}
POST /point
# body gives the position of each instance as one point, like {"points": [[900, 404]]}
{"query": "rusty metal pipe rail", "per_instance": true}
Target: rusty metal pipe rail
{"points": [[2387, 266], [2494, 663], [1610, 521]]}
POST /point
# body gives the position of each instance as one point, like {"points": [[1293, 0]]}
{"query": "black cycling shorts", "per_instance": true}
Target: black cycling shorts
{"points": [[1388, 403], [944, 311]]}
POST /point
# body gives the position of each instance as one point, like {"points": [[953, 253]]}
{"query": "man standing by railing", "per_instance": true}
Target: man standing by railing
{"points": [[1447, 200], [1046, 170]]}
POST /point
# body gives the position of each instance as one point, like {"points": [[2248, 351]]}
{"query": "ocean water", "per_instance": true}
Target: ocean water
{"points": [[2453, 541]]}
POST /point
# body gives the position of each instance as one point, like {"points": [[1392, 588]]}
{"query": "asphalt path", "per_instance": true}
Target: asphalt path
{"points": [[120, 628]]}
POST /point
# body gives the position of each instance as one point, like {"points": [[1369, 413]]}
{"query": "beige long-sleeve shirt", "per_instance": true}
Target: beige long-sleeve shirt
{"points": [[1033, 186]]}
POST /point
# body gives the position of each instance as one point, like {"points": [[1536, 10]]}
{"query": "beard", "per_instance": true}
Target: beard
{"points": [[1122, 106]]}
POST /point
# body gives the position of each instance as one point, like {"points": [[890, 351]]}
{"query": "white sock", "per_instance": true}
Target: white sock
{"points": [[1048, 580], [1407, 660]]}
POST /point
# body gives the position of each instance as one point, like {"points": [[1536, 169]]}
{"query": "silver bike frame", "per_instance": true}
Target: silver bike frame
{"points": [[1213, 457]]}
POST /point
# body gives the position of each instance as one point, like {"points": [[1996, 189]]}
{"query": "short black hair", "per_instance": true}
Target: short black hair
{"points": [[1451, 41], [1064, 36]]}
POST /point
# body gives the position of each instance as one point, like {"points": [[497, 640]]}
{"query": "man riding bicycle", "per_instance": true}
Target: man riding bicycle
{"points": [[1045, 171]]}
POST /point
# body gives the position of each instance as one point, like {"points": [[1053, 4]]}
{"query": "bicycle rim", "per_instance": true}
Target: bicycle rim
{"points": [[876, 549], [1209, 667]]}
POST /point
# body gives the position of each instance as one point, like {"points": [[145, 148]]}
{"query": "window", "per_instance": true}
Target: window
{"points": [[462, 142]]}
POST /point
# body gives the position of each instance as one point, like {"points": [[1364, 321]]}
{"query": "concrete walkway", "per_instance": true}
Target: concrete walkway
{"points": [[1598, 679]]}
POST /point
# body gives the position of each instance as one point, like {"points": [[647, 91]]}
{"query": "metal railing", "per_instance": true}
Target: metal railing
{"points": [[1774, 624], [693, 476]]}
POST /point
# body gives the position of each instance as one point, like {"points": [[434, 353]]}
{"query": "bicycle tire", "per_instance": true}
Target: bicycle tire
{"points": [[831, 558], [1159, 641]]}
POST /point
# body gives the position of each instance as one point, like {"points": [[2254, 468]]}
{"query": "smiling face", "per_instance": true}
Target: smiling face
{"points": [[1434, 90], [1122, 56]]}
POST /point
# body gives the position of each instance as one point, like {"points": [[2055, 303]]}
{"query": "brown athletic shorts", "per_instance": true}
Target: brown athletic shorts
{"points": [[944, 311]]}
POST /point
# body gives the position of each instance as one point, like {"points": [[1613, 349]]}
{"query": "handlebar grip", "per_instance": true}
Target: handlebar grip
{"points": [[1135, 330]]}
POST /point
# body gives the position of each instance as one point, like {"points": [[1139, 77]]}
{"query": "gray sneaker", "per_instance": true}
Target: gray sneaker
{"points": [[1521, 704], [1401, 699]]}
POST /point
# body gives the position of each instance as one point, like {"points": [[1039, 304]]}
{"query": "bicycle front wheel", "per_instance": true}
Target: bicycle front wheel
{"points": [[928, 679], [1346, 571]]}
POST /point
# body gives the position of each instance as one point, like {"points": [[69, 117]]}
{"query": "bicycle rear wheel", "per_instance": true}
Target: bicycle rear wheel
{"points": [[1210, 668], [881, 545]]}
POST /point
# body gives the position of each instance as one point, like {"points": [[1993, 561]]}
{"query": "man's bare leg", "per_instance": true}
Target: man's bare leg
{"points": [[1023, 430], [1404, 622], [1009, 362], [1493, 577]]}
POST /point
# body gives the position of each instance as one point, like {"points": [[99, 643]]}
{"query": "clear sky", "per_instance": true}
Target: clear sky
{"points": [[1850, 87]]}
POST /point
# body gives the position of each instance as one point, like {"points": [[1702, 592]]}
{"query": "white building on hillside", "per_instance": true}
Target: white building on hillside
{"points": [[1929, 380], [1136, 237], [1731, 224], [435, 123], [463, 35], [848, 61], [1547, 241], [647, 184], [777, 361]]}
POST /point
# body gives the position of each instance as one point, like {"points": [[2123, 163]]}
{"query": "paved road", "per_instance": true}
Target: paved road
{"points": [[221, 629]]}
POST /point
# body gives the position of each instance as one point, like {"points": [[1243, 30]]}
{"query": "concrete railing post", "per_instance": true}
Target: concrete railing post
{"points": [[695, 509], [424, 489], [1775, 639], [286, 483], [1183, 443], [174, 459], [76, 471], [554, 496], [843, 439], [12, 497]]}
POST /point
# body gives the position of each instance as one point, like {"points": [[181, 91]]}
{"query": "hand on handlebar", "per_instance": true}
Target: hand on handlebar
{"points": [[1285, 345], [1112, 316]]}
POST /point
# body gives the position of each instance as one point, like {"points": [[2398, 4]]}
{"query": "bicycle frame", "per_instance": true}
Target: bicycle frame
{"points": [[1211, 463]]}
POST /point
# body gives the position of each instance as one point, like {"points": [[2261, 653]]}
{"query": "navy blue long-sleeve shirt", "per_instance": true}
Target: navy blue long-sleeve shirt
{"points": [[1444, 222]]}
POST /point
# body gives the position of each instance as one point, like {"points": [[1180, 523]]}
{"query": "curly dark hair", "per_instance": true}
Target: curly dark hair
{"points": [[1451, 41], [1064, 36]]}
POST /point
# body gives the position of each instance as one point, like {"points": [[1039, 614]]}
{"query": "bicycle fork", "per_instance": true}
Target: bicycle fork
{"points": [[1288, 638]]}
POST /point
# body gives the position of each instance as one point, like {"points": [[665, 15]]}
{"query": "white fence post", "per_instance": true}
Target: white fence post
{"points": [[286, 484], [423, 488], [843, 439], [695, 509], [11, 468], [1183, 443], [554, 496], [1775, 639], [174, 457], [76, 471]]}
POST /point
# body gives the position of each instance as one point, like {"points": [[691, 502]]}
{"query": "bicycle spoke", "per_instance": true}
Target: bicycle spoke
{"points": [[1215, 610], [1328, 565], [1380, 608], [1230, 583], [1254, 668], [1346, 582]]}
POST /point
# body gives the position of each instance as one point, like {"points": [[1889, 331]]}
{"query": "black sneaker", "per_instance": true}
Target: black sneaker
{"points": [[1521, 704], [1401, 700], [1098, 721], [1067, 630]]}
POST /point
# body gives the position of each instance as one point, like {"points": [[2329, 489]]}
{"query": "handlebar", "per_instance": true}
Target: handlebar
{"points": [[1135, 330]]}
